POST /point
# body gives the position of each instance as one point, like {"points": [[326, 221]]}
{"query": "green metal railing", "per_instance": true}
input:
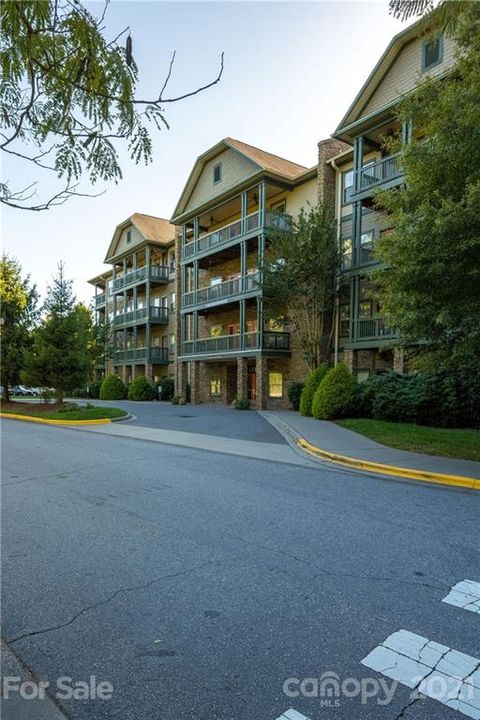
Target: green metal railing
{"points": [[142, 315], [375, 174], [154, 273], [274, 341], [229, 288], [236, 230], [142, 354]]}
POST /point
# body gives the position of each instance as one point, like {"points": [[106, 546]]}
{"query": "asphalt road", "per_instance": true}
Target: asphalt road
{"points": [[197, 583]]}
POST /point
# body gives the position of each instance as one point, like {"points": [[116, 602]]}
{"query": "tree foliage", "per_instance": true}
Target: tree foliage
{"points": [[18, 311], [58, 357], [112, 388], [334, 396], [298, 279], [311, 384], [431, 288], [443, 14], [68, 98], [93, 338]]}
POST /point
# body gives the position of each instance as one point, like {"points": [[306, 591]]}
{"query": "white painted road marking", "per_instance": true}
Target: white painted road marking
{"points": [[432, 669], [292, 715], [466, 595]]}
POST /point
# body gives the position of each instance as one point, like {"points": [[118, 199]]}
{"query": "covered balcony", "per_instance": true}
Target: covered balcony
{"points": [[141, 316], [241, 217], [151, 355], [270, 342]]}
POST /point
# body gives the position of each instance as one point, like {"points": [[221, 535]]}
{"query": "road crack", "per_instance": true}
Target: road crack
{"points": [[119, 591]]}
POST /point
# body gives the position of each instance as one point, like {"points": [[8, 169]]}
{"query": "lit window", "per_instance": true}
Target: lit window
{"points": [[275, 384], [217, 173], [346, 253], [365, 309], [366, 237], [347, 186], [172, 302], [215, 386], [432, 53]]}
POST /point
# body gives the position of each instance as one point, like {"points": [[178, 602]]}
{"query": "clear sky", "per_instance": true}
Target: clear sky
{"points": [[291, 71]]}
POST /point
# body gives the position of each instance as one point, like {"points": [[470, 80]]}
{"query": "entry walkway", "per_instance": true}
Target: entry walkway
{"points": [[333, 438]]}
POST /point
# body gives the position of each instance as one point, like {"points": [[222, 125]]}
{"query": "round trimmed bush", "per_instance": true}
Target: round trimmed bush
{"points": [[335, 394], [141, 389], [311, 384], [112, 388]]}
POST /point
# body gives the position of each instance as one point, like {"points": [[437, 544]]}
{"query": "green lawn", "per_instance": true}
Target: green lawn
{"points": [[419, 438], [94, 413]]}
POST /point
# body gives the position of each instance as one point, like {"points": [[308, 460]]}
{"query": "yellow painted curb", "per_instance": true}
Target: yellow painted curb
{"points": [[46, 421], [432, 477]]}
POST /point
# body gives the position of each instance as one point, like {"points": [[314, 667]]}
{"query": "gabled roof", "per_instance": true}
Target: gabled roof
{"points": [[154, 229], [264, 161], [267, 161], [373, 81], [101, 277]]}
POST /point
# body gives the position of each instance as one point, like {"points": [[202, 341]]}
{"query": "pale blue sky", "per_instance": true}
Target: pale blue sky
{"points": [[291, 71]]}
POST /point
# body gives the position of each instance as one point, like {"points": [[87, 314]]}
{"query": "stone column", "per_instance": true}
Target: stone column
{"points": [[195, 382], [149, 371], [242, 375], [399, 360], [350, 359], [261, 378], [181, 379]]}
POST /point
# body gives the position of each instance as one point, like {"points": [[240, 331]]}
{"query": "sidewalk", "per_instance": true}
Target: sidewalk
{"points": [[335, 439], [17, 707]]}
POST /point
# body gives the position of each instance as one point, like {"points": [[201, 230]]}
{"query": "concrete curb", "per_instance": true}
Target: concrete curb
{"points": [[382, 469], [293, 438], [46, 421]]}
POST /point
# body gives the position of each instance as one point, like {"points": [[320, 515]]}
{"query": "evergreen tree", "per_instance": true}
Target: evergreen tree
{"points": [[18, 310], [58, 357]]}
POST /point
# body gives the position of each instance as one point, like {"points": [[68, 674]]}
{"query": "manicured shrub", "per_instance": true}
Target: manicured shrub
{"points": [[394, 399], [112, 388], [311, 384], [334, 396], [141, 389], [241, 403], [294, 394], [167, 389]]}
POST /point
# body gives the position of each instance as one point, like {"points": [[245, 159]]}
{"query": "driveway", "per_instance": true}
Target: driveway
{"points": [[216, 420]]}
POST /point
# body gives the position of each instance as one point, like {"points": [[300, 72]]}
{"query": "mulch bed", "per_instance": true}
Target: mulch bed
{"points": [[26, 407]]}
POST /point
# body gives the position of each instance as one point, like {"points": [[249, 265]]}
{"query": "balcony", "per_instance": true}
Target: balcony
{"points": [[233, 232], [375, 329], [222, 292], [269, 342], [379, 175], [154, 273], [100, 300], [157, 355], [364, 255], [141, 316]]}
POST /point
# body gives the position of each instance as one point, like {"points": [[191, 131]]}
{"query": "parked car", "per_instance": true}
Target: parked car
{"points": [[23, 391]]}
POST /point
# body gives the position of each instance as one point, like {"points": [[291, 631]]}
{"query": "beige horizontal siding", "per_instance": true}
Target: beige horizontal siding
{"points": [[235, 169], [406, 73]]}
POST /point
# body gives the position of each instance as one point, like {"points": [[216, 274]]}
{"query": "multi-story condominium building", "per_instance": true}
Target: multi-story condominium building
{"points": [[137, 298], [226, 347], [363, 339]]}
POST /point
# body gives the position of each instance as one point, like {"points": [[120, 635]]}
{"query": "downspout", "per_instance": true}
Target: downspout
{"points": [[337, 288]]}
